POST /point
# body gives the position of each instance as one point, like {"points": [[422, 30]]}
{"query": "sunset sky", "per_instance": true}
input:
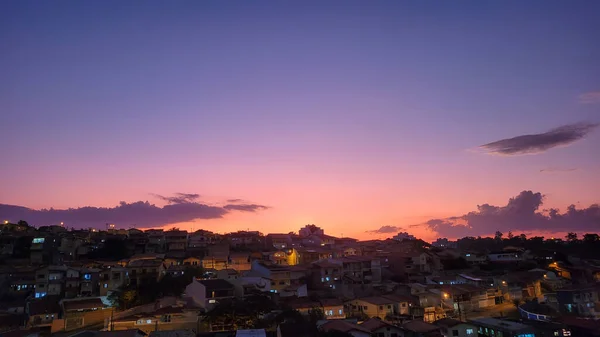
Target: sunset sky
{"points": [[362, 117]]}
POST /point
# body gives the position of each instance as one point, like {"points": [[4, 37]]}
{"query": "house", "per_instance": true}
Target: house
{"points": [[379, 328], [451, 327], [383, 307], [112, 279], [466, 297], [583, 301], [325, 274], [145, 269], [50, 281], [345, 326], [418, 328], [215, 262], [89, 282], [228, 274], [240, 261], [41, 312], [193, 261], [280, 276], [359, 269], [332, 308], [521, 285], [159, 319], [176, 240], [489, 326], [207, 293], [311, 254], [279, 241], [81, 312], [505, 257]]}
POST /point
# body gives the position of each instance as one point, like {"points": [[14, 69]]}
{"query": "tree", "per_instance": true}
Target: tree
{"points": [[23, 223], [523, 237], [510, 235], [315, 315], [589, 238], [123, 298], [498, 236], [572, 237]]}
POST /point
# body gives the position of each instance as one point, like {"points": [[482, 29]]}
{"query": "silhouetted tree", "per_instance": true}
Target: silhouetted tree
{"points": [[571, 237], [498, 236]]}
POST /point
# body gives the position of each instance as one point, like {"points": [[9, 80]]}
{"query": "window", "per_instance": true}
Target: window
{"points": [[404, 304], [365, 307], [381, 307], [454, 332], [470, 332], [105, 285], [341, 312], [38, 240], [87, 276]]}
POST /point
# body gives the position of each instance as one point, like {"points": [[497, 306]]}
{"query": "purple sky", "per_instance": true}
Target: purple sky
{"points": [[348, 114]]}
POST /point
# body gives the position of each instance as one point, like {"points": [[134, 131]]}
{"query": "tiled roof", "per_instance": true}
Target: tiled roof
{"points": [[343, 326]]}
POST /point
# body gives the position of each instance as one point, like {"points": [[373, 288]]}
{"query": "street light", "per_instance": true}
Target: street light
{"points": [[6, 222]]}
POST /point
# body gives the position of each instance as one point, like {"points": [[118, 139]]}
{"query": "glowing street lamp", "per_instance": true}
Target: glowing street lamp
{"points": [[6, 222]]}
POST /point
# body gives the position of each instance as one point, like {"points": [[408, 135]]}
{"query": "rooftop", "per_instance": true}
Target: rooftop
{"points": [[87, 303], [499, 323]]}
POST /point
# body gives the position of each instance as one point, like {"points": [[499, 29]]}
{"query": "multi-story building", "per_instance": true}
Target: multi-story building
{"points": [[145, 269], [176, 240], [583, 301], [111, 279], [280, 276], [50, 280]]}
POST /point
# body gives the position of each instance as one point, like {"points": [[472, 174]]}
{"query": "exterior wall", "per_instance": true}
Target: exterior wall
{"points": [[78, 319], [370, 309], [462, 330], [197, 291]]}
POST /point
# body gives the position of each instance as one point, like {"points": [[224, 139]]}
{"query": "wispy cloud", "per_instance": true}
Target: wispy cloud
{"points": [[385, 230], [590, 97], [523, 213], [245, 207], [558, 169], [180, 208], [538, 143], [179, 198]]}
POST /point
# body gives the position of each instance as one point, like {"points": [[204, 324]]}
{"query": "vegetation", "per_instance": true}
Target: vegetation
{"points": [[150, 290], [588, 247]]}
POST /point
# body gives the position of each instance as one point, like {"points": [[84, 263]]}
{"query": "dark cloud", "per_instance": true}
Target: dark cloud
{"points": [[245, 207], [531, 144], [235, 201], [385, 230], [590, 97], [557, 170], [141, 214], [179, 198], [523, 213]]}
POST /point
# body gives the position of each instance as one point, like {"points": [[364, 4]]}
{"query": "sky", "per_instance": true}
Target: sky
{"points": [[363, 117]]}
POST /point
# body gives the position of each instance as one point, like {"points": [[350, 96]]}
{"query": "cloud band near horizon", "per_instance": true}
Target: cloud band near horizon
{"points": [[521, 213], [181, 207]]}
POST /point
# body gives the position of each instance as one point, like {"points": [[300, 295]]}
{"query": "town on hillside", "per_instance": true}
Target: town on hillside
{"points": [[129, 282]]}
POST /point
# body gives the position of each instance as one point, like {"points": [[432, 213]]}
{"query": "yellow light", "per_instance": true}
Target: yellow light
{"points": [[62, 223], [5, 222], [503, 282], [445, 295]]}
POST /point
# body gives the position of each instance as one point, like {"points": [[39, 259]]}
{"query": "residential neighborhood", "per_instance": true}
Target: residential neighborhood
{"points": [[62, 281]]}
